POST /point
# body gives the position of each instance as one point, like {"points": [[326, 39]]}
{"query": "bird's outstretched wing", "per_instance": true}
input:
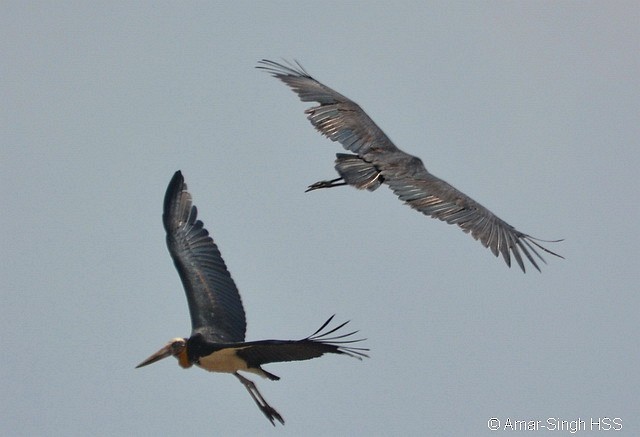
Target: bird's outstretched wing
{"points": [[256, 353], [214, 302], [338, 118], [436, 198], [342, 120]]}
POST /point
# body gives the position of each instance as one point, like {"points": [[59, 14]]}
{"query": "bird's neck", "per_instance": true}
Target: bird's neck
{"points": [[183, 359]]}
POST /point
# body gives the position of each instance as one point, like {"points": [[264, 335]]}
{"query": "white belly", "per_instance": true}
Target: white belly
{"points": [[225, 361]]}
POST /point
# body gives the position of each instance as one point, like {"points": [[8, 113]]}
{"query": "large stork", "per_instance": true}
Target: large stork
{"points": [[218, 321], [376, 160]]}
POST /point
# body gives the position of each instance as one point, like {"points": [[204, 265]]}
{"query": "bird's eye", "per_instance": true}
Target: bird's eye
{"points": [[177, 346]]}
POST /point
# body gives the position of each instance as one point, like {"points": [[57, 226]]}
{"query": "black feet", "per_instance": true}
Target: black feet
{"points": [[266, 409], [326, 184]]}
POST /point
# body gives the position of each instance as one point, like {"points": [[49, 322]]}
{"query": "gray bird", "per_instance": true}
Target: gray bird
{"points": [[376, 160]]}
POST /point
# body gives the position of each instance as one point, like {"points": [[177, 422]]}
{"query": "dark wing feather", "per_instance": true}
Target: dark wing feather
{"points": [[337, 117], [434, 197], [214, 302], [319, 343], [342, 120]]}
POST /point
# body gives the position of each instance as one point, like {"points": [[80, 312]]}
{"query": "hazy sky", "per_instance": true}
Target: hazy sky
{"points": [[531, 108]]}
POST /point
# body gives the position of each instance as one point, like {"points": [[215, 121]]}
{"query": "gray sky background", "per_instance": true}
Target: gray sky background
{"points": [[531, 108]]}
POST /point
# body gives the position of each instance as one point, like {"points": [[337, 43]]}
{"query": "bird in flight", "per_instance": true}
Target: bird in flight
{"points": [[376, 160], [217, 342]]}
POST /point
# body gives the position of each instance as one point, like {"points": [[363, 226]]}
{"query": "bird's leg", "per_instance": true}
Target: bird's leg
{"points": [[326, 184], [267, 409]]}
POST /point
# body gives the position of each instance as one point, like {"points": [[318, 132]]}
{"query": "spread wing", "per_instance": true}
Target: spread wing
{"points": [[337, 117], [319, 343], [214, 302], [436, 198], [342, 120]]}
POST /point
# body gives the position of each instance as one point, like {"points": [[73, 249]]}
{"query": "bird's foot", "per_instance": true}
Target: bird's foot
{"points": [[266, 409], [271, 414], [325, 184]]}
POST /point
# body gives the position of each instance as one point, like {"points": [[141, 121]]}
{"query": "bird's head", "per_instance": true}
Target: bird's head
{"points": [[176, 347]]}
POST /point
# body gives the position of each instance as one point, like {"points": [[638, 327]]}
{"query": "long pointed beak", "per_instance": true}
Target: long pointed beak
{"points": [[162, 353]]}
